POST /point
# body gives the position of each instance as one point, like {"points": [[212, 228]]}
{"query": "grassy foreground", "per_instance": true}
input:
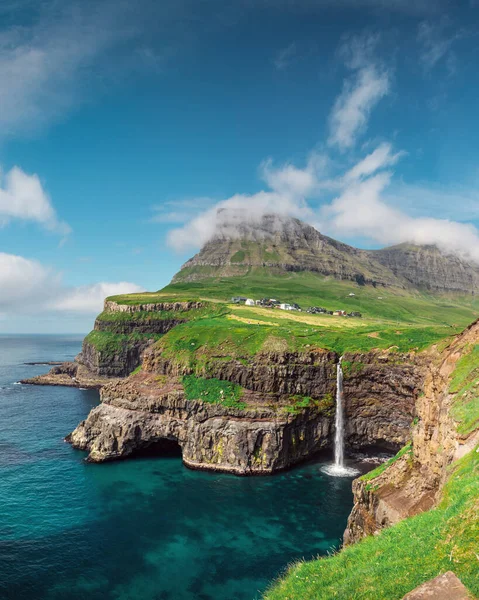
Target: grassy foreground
{"points": [[387, 566]]}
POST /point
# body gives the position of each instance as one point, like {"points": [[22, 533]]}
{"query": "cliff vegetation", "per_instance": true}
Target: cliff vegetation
{"points": [[387, 566]]}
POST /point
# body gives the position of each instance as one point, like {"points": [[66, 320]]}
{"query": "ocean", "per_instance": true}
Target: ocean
{"points": [[145, 528]]}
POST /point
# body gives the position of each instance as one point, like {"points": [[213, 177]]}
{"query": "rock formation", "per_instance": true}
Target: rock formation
{"points": [[271, 432], [145, 410], [412, 484]]}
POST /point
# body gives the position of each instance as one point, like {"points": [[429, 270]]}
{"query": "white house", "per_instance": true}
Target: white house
{"points": [[286, 307], [352, 294], [249, 302]]}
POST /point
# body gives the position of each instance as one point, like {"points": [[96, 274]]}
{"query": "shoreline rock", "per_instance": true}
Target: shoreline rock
{"points": [[69, 374]]}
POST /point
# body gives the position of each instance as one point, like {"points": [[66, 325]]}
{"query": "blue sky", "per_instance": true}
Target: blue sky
{"points": [[123, 126]]}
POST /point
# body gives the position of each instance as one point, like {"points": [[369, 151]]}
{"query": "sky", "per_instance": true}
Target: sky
{"points": [[125, 126]]}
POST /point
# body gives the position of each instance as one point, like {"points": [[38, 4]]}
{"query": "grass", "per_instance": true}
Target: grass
{"points": [[238, 257], [465, 386], [387, 566], [111, 344], [325, 405], [309, 289], [222, 337], [393, 318], [214, 391], [407, 449]]}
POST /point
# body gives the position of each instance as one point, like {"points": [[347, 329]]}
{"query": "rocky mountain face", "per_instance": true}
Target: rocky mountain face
{"points": [[426, 267], [139, 413], [283, 244]]}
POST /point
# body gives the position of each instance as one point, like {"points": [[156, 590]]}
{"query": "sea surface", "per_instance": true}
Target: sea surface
{"points": [[144, 529]]}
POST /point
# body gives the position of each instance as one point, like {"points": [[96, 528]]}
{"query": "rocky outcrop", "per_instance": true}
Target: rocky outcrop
{"points": [[141, 412], [427, 267], [283, 245], [113, 306], [143, 324], [443, 587], [69, 374], [119, 362], [412, 483]]}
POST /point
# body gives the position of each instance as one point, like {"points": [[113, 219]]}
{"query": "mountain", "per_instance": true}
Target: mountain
{"points": [[427, 267], [283, 245]]}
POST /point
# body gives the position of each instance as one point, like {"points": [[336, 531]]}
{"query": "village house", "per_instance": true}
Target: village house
{"points": [[238, 299], [249, 302], [340, 313]]}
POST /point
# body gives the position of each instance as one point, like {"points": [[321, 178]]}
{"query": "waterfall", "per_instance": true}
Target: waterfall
{"points": [[339, 421], [339, 469]]}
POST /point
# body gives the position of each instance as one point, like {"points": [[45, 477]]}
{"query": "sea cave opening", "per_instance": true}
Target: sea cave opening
{"points": [[160, 448]]}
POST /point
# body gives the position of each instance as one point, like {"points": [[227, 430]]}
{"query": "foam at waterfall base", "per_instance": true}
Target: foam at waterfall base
{"points": [[334, 470]]}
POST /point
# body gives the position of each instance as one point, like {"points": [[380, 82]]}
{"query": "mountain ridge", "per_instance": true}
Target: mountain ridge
{"points": [[285, 244]]}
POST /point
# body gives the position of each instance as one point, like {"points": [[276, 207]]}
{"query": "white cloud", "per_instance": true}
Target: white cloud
{"points": [[226, 218], [367, 205], [289, 180], [22, 197], [28, 287], [380, 158], [289, 186], [43, 65], [437, 44], [24, 283], [351, 110], [285, 57], [89, 298], [180, 211], [362, 210]]}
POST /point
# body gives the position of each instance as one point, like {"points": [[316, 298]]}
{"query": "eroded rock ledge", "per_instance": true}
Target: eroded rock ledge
{"points": [[141, 411], [268, 434]]}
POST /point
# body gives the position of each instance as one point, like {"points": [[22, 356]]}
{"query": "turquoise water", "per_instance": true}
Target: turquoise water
{"points": [[144, 529]]}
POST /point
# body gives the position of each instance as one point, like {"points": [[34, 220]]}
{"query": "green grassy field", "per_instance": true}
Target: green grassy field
{"points": [[392, 318]]}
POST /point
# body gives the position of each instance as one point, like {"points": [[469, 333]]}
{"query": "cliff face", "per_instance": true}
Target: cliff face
{"points": [[288, 411], [412, 483], [116, 345], [380, 394], [140, 413], [426, 267], [305, 374]]}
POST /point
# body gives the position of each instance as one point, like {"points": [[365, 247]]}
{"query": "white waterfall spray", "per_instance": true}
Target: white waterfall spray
{"points": [[339, 421]]}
